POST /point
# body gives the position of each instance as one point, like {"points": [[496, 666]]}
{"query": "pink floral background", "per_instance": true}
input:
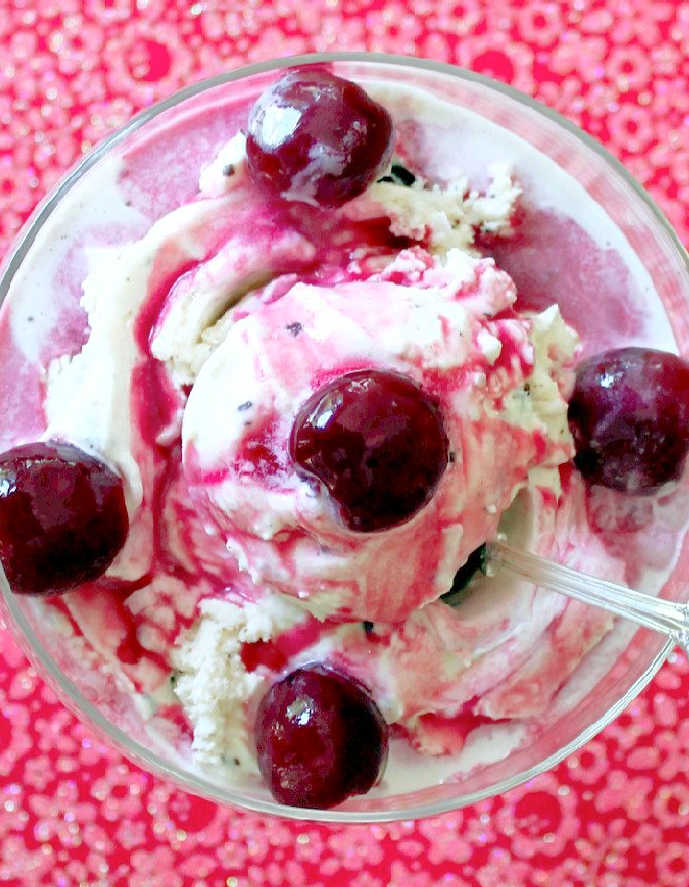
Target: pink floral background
{"points": [[74, 813]]}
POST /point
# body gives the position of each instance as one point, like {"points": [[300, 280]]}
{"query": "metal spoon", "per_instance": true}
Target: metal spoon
{"points": [[668, 617]]}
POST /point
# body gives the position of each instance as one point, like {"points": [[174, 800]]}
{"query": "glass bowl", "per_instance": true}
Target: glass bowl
{"points": [[106, 706]]}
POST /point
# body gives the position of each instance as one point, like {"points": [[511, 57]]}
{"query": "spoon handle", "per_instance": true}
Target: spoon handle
{"points": [[668, 617]]}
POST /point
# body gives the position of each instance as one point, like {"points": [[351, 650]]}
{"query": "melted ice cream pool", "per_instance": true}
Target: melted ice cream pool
{"points": [[487, 641]]}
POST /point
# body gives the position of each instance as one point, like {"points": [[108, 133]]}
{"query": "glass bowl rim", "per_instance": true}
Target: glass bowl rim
{"points": [[68, 691]]}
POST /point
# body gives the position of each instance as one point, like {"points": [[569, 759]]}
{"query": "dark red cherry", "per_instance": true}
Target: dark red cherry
{"points": [[316, 138], [319, 738], [62, 517], [377, 442], [629, 416]]}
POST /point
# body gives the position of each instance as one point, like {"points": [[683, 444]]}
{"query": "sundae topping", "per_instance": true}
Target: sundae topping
{"points": [[377, 443], [629, 415], [316, 138], [320, 738], [62, 517]]}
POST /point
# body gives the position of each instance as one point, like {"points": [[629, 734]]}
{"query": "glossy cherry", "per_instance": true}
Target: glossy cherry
{"points": [[629, 416], [62, 517], [317, 138], [377, 443], [319, 738]]}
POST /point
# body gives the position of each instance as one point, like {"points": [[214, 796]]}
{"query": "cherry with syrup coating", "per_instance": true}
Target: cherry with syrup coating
{"points": [[629, 416], [377, 443], [62, 517], [319, 738], [317, 138]]}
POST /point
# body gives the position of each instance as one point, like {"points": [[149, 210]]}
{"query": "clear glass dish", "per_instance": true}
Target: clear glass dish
{"points": [[107, 707]]}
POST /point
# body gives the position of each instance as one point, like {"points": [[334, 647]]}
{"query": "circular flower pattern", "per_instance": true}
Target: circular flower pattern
{"points": [[72, 811]]}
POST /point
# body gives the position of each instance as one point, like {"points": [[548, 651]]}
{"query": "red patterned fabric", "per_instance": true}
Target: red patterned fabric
{"points": [[73, 813]]}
